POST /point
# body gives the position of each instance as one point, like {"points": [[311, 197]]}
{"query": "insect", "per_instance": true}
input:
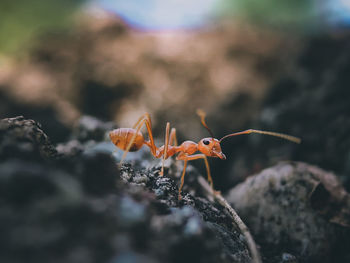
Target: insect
{"points": [[131, 139]]}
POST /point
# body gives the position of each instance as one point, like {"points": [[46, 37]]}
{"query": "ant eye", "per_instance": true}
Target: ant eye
{"points": [[206, 142]]}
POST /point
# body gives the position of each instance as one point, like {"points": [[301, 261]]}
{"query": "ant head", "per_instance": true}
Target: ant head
{"points": [[211, 147]]}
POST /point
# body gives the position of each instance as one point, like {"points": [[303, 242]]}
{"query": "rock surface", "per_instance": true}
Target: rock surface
{"points": [[25, 139], [72, 206], [295, 208]]}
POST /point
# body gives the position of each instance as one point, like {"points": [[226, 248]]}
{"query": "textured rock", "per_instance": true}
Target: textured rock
{"points": [[75, 205], [202, 230], [293, 207], [24, 139], [80, 208], [90, 128]]}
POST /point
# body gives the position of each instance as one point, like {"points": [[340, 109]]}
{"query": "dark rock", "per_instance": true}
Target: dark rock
{"points": [[288, 258], [97, 173], [21, 138], [45, 216], [89, 128], [278, 206], [25, 183], [76, 208], [193, 229], [70, 149]]}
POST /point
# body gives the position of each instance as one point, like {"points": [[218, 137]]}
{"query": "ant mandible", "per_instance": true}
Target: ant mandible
{"points": [[131, 139]]}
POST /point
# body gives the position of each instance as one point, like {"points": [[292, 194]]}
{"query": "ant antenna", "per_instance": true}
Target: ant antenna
{"points": [[276, 134], [202, 115]]}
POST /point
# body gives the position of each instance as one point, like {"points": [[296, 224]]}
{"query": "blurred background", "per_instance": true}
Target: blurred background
{"points": [[275, 65]]}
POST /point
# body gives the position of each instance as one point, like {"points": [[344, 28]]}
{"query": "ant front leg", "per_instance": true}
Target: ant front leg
{"points": [[182, 179], [186, 158], [166, 143], [173, 139]]}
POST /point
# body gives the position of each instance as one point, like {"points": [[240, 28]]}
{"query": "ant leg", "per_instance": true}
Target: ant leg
{"points": [[144, 116], [182, 179], [144, 119], [202, 156], [166, 143], [195, 157], [131, 141], [148, 123], [173, 139]]}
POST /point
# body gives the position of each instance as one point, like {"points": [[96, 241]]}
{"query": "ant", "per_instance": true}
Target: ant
{"points": [[131, 139]]}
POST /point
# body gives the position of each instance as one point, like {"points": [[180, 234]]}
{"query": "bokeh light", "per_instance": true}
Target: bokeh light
{"points": [[160, 14]]}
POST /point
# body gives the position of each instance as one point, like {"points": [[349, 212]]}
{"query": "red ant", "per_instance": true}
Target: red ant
{"points": [[131, 139]]}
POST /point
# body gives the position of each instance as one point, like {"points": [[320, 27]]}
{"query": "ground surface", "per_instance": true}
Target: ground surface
{"points": [[72, 204]]}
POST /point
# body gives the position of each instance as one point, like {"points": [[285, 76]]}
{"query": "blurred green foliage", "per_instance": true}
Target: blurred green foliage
{"points": [[297, 14], [21, 20]]}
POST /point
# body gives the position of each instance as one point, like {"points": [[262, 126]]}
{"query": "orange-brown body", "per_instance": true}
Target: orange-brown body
{"points": [[122, 136], [131, 139]]}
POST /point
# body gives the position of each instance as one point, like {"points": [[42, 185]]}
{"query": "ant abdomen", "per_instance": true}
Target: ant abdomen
{"points": [[121, 138]]}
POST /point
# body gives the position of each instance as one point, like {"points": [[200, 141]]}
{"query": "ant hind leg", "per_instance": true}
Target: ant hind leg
{"points": [[132, 139], [144, 119]]}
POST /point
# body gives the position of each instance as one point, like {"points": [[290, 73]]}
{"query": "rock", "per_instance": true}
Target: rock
{"points": [[90, 128], [45, 215], [70, 149], [47, 212], [98, 173], [24, 139], [78, 207], [294, 208], [26, 183], [203, 231], [288, 258]]}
